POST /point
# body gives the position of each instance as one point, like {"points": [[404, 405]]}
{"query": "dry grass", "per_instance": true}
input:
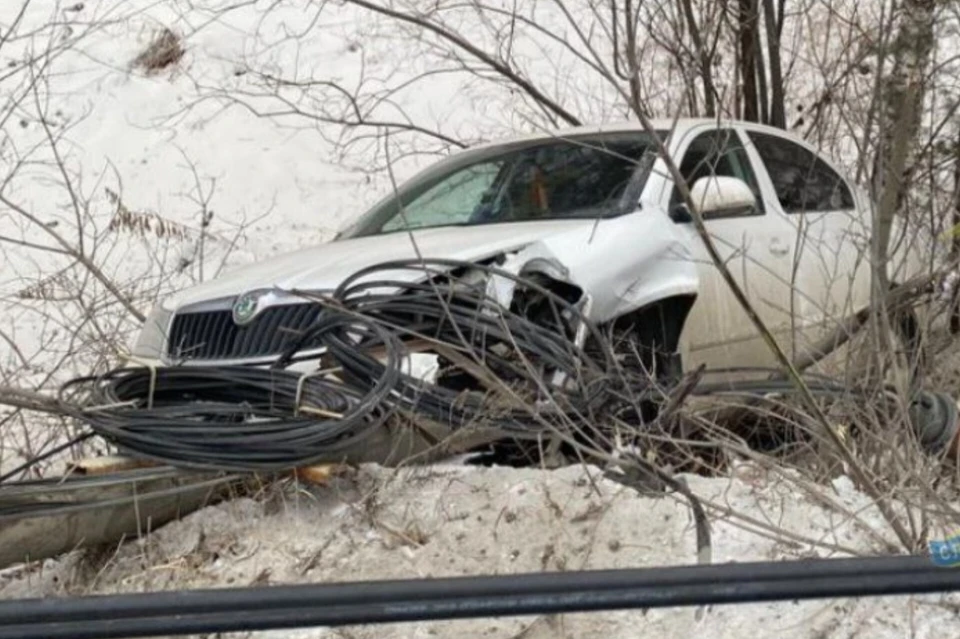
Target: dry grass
{"points": [[53, 288], [165, 50], [143, 223]]}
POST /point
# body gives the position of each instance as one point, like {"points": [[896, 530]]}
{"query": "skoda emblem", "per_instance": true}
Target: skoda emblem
{"points": [[245, 308]]}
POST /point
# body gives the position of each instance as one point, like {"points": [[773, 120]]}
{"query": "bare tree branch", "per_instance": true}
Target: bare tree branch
{"points": [[463, 44]]}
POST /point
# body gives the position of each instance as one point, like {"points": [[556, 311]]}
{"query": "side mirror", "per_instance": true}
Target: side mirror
{"points": [[720, 195]]}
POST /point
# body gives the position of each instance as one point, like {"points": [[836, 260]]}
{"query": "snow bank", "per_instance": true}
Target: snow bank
{"points": [[448, 521]]}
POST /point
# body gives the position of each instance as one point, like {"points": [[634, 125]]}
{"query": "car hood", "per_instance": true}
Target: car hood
{"points": [[323, 267]]}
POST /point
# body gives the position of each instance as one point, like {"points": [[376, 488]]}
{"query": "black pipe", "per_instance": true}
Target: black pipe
{"points": [[215, 599], [224, 610], [515, 604]]}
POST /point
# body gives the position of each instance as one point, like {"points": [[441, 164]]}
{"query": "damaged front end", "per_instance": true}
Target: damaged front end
{"points": [[635, 280]]}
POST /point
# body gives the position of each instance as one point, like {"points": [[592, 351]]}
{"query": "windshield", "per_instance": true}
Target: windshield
{"points": [[590, 176]]}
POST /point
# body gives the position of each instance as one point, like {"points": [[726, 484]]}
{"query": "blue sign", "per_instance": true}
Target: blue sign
{"points": [[945, 552]]}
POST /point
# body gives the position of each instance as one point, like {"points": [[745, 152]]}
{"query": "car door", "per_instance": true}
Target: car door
{"points": [[831, 234], [757, 249]]}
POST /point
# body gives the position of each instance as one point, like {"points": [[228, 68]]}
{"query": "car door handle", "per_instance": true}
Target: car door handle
{"points": [[779, 247]]}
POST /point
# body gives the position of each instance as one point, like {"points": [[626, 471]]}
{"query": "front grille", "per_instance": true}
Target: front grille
{"points": [[212, 335]]}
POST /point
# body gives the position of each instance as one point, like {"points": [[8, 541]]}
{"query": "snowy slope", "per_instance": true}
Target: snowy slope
{"points": [[149, 127]]}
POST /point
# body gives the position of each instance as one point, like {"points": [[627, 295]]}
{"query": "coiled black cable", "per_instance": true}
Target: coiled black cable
{"points": [[424, 299], [237, 417], [247, 418]]}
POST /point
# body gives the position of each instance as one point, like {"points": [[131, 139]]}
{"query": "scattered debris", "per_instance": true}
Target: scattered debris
{"points": [[107, 465], [320, 475], [166, 49]]}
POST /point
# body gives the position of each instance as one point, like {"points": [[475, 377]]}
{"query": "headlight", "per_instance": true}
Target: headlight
{"points": [[153, 336]]}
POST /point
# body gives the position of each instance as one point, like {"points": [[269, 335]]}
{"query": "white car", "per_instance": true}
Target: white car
{"points": [[592, 212]]}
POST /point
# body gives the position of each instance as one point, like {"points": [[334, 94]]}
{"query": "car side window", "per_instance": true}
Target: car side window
{"points": [[803, 182], [718, 153]]}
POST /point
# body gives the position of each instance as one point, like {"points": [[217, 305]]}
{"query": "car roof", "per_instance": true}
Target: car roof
{"points": [[681, 126]]}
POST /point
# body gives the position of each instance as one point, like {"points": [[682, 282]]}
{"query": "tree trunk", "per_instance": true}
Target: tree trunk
{"points": [[704, 59], [762, 95], [955, 237], [746, 21], [773, 24], [901, 116]]}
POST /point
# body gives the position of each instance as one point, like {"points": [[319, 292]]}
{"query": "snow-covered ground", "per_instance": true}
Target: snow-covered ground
{"points": [[149, 128], [452, 521]]}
